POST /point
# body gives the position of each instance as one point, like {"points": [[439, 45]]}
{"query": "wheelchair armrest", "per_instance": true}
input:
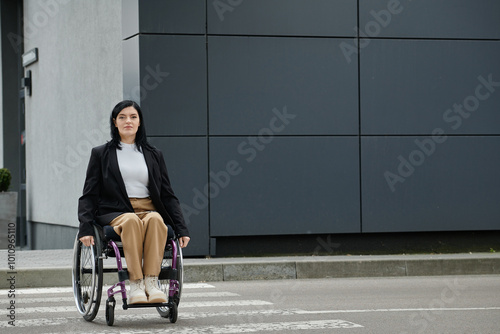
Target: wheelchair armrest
{"points": [[171, 233]]}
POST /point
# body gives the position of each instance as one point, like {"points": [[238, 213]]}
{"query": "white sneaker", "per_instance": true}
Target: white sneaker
{"points": [[152, 290], [137, 293]]}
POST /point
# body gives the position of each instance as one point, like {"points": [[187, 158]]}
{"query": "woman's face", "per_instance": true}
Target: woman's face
{"points": [[127, 121]]}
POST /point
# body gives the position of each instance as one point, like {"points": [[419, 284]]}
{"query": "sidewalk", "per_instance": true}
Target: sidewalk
{"points": [[51, 268]]}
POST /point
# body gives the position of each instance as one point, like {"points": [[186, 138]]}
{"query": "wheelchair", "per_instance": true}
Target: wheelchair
{"points": [[88, 276]]}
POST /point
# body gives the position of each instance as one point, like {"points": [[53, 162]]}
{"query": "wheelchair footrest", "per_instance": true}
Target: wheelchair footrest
{"points": [[168, 273], [126, 306]]}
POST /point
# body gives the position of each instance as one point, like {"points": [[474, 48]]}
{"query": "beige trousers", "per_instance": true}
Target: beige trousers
{"points": [[144, 236]]}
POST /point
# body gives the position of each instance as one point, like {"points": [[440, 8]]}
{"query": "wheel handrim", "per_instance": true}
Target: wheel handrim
{"points": [[84, 274]]}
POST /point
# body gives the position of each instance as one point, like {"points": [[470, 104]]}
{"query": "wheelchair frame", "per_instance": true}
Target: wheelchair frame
{"points": [[88, 278]]}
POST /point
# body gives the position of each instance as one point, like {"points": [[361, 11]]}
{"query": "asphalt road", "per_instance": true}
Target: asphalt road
{"points": [[444, 304]]}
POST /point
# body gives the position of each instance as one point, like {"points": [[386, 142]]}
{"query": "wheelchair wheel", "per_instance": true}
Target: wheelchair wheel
{"points": [[110, 311], [172, 316], [87, 277], [180, 277], [175, 285]]}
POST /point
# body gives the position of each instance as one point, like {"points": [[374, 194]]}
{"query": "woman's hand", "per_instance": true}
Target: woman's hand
{"points": [[87, 240], [183, 241]]}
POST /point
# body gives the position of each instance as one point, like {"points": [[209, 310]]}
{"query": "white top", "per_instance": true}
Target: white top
{"points": [[134, 170]]}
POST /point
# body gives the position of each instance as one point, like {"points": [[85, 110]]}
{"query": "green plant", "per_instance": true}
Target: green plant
{"points": [[492, 250], [5, 178]]}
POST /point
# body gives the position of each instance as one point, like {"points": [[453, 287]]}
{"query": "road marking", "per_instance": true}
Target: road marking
{"points": [[40, 322], [232, 303], [70, 289], [48, 309], [224, 303], [243, 315], [238, 314], [132, 317], [28, 300], [246, 327], [35, 291], [401, 310], [209, 294], [267, 327], [197, 286], [62, 309]]}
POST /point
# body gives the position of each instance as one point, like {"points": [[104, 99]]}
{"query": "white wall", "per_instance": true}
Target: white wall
{"points": [[76, 82]]}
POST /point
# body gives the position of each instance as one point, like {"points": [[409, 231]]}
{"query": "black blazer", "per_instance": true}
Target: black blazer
{"points": [[104, 195]]}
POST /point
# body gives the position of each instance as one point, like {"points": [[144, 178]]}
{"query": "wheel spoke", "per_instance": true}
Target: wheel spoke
{"points": [[87, 278]]}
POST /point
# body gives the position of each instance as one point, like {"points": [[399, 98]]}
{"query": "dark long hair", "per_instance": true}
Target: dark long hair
{"points": [[141, 139]]}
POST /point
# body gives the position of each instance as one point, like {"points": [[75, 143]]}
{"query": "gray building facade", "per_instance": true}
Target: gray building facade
{"points": [[282, 121]]}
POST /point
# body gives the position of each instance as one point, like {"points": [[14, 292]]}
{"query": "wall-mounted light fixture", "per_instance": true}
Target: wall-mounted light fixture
{"points": [[30, 57], [26, 82]]}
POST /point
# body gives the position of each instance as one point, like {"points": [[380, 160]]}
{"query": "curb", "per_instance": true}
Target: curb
{"points": [[286, 268]]}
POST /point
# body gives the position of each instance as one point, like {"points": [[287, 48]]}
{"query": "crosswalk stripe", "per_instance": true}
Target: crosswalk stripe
{"points": [[39, 322], [187, 305], [34, 291], [28, 300], [243, 314], [236, 328], [72, 308], [51, 309], [224, 303], [209, 294], [151, 316], [187, 295], [238, 314], [197, 286], [267, 327], [249, 327]]}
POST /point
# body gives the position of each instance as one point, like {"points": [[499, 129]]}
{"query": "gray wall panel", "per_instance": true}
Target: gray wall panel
{"points": [[130, 18], [447, 186], [187, 164], [277, 151], [173, 84], [407, 87], [282, 17], [131, 69], [249, 76], [294, 185], [430, 18], [50, 236], [163, 16]]}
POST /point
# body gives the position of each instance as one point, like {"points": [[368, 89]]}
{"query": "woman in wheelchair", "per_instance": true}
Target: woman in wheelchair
{"points": [[127, 186]]}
